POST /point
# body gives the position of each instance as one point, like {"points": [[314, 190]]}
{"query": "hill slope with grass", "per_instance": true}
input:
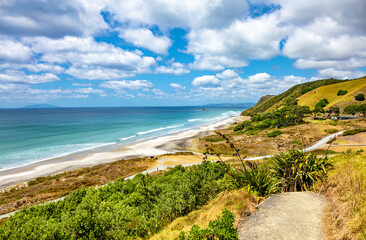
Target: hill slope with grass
{"points": [[288, 97], [353, 87]]}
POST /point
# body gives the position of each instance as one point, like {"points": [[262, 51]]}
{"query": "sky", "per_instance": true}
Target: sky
{"points": [[81, 53]]}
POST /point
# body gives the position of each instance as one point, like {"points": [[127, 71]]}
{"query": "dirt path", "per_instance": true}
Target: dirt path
{"points": [[286, 216]]}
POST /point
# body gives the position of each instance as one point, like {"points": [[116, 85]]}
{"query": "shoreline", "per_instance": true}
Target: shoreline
{"points": [[169, 143]]}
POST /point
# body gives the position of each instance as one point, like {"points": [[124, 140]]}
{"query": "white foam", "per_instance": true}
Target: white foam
{"points": [[195, 119], [126, 138], [159, 129]]}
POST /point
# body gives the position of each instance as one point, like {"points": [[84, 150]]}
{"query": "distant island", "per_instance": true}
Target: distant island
{"points": [[41, 106]]}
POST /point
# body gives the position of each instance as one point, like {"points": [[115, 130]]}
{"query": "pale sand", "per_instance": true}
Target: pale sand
{"points": [[158, 146]]}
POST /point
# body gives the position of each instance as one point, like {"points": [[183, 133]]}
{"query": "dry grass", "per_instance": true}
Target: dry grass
{"points": [[44, 189], [293, 137], [239, 202], [330, 92], [345, 187]]}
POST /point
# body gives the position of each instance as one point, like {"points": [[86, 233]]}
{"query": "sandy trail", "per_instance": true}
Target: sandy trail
{"points": [[286, 216]]}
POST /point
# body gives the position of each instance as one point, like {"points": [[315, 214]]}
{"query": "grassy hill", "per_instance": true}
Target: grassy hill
{"points": [[290, 95], [329, 92]]}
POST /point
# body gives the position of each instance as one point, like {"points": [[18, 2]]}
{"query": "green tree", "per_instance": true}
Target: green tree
{"points": [[341, 92], [351, 109], [360, 97], [332, 110]]}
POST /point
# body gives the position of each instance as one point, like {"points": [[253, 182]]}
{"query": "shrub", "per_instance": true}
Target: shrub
{"points": [[296, 171], [354, 131], [274, 133], [305, 90], [331, 130], [341, 92], [322, 103], [221, 228], [360, 97], [242, 125]]}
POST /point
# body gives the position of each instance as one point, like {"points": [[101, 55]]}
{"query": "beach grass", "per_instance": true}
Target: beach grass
{"points": [[346, 190]]}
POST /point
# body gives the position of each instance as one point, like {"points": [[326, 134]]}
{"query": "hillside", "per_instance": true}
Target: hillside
{"points": [[329, 92], [289, 96]]}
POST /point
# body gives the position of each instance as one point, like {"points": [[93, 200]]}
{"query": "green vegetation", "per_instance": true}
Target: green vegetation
{"points": [[354, 131], [274, 133], [222, 228], [332, 110], [332, 130], [129, 209], [293, 93], [322, 103], [341, 92], [353, 109], [284, 117], [360, 97], [305, 90]]}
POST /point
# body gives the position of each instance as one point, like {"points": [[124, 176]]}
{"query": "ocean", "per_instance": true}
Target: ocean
{"points": [[32, 135]]}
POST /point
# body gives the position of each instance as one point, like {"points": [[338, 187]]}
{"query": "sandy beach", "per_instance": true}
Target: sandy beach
{"points": [[153, 147]]}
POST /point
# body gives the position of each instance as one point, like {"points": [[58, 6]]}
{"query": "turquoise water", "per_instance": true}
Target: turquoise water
{"points": [[32, 135]]}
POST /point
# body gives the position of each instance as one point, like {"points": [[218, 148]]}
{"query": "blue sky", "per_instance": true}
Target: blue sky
{"points": [[164, 52]]}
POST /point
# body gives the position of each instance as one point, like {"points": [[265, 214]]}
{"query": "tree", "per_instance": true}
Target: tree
{"points": [[318, 110], [351, 109], [362, 109], [322, 103], [360, 97], [341, 92], [332, 110]]}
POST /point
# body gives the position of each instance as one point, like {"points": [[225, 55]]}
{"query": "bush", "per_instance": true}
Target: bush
{"points": [[222, 228], [341, 92], [274, 133], [360, 97], [242, 125], [351, 109], [322, 103], [296, 171], [305, 90], [354, 131], [331, 130]]}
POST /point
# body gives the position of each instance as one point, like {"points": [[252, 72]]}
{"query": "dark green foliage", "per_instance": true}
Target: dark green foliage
{"points": [[222, 228], [360, 97], [274, 133], [334, 110], [351, 109], [242, 125], [305, 90], [296, 171], [354, 131], [322, 103], [293, 92], [341, 92], [129, 209]]}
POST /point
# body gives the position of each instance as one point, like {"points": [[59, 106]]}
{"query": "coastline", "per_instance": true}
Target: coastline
{"points": [[152, 147]]}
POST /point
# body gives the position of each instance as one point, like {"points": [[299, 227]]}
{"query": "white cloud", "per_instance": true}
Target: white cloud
{"points": [[90, 59], [252, 38], [227, 74], [14, 51], [206, 81], [21, 77], [175, 68], [259, 78], [216, 63], [177, 86], [180, 14], [51, 18], [339, 74], [144, 38], [127, 85]]}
